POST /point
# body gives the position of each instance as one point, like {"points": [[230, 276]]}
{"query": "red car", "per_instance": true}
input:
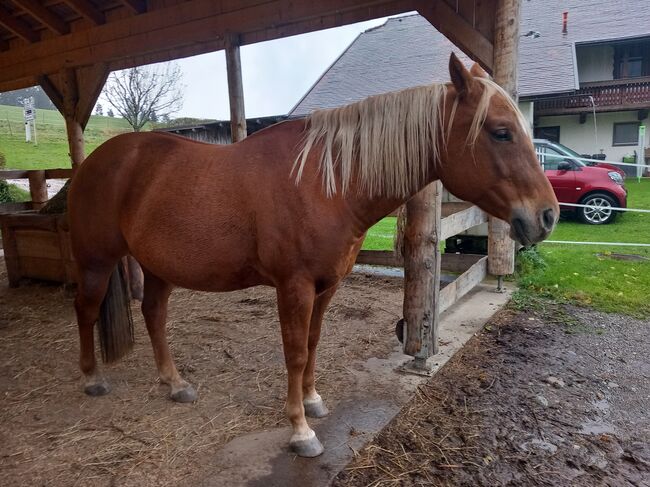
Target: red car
{"points": [[601, 186]]}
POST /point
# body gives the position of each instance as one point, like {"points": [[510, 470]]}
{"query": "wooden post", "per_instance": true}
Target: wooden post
{"points": [[422, 274], [235, 89], [73, 125], [37, 188], [501, 248]]}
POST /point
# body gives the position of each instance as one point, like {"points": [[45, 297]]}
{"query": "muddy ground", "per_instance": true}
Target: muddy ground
{"points": [[227, 345], [552, 396]]}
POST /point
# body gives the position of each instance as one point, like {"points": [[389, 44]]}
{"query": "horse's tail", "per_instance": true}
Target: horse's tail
{"points": [[115, 321]]}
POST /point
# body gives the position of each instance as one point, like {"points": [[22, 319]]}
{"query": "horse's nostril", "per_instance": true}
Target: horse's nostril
{"points": [[548, 218]]}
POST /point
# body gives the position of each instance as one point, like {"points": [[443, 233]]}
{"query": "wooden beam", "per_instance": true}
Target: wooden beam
{"points": [[458, 30], [136, 6], [87, 10], [422, 274], [460, 221], [53, 93], [17, 26], [463, 284], [235, 89], [501, 248], [38, 189], [185, 29], [91, 81], [44, 16]]}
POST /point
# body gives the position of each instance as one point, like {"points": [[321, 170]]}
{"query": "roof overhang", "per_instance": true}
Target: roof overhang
{"points": [[35, 40]]}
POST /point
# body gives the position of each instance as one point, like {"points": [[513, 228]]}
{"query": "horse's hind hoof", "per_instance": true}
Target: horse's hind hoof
{"points": [[185, 395], [98, 389], [308, 448], [315, 408]]}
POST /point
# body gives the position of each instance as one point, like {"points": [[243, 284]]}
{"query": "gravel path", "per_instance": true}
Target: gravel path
{"points": [[53, 185]]}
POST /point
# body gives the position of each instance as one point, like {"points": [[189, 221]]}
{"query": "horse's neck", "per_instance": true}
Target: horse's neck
{"points": [[368, 211]]}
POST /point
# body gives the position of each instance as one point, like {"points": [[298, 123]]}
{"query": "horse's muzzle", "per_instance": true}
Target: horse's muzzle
{"points": [[528, 227]]}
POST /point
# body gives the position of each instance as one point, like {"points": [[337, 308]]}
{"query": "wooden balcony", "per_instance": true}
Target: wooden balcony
{"points": [[605, 96]]}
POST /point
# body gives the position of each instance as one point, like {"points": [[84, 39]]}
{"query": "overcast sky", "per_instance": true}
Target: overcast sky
{"points": [[276, 74]]}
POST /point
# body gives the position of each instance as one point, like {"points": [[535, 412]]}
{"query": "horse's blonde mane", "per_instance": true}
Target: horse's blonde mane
{"points": [[392, 138]]}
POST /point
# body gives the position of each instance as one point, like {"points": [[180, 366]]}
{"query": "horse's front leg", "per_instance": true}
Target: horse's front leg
{"points": [[314, 405], [295, 304], [154, 309]]}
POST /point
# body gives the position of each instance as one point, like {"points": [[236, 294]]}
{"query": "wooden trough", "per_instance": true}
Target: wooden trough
{"points": [[36, 246]]}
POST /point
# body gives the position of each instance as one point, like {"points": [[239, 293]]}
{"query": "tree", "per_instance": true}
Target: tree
{"points": [[99, 110], [110, 113], [137, 93]]}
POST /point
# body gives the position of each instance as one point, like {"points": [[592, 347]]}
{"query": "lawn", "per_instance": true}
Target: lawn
{"points": [[582, 274], [52, 148]]}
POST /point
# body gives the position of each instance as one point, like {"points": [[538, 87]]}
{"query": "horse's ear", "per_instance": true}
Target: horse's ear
{"points": [[460, 77], [478, 72]]}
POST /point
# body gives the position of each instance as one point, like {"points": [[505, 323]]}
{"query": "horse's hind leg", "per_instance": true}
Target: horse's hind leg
{"points": [[91, 290], [295, 303], [314, 406], [154, 309]]}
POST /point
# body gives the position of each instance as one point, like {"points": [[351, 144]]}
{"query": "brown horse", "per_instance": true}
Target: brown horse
{"points": [[289, 207]]}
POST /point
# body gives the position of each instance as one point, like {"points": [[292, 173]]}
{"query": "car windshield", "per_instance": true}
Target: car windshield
{"points": [[570, 152]]}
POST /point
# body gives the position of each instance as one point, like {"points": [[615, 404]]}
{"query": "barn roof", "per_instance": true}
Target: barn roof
{"points": [[409, 51]]}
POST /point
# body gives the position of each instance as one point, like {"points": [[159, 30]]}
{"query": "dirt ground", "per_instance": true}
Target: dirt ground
{"points": [[554, 396], [227, 345]]}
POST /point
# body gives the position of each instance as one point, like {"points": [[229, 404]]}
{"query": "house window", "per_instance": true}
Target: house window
{"points": [[549, 133], [626, 133], [632, 60]]}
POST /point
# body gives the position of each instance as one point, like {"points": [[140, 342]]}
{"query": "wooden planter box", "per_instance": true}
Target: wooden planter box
{"points": [[36, 246]]}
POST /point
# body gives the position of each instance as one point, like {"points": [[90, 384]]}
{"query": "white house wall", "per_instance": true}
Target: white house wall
{"points": [[583, 139], [595, 63]]}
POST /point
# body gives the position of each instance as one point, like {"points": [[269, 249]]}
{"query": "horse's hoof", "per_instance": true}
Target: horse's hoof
{"points": [[185, 395], [308, 448], [315, 408], [98, 389]]}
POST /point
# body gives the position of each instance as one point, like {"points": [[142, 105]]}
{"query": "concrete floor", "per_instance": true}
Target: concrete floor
{"points": [[263, 459]]}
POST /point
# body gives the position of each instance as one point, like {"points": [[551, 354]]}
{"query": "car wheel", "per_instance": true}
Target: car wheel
{"points": [[599, 209]]}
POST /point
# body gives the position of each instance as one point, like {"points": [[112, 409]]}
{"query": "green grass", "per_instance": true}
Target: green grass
{"points": [[52, 148], [581, 274], [380, 236], [588, 274]]}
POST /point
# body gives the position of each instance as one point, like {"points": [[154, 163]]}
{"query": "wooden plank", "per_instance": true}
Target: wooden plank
{"points": [[14, 174], [179, 26], [136, 6], [422, 274], [62, 173], [14, 207], [235, 89], [444, 18], [12, 263], [17, 26], [37, 243], [30, 220], [87, 10], [463, 284], [455, 263], [44, 16], [501, 248], [460, 221], [42, 268], [386, 258]]}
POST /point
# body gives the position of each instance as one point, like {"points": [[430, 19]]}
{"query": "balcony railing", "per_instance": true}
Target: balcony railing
{"points": [[605, 96]]}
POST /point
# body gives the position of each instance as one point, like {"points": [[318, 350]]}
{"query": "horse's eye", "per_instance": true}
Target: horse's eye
{"points": [[502, 135]]}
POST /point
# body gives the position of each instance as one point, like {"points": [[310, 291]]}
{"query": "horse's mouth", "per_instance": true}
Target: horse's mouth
{"points": [[519, 233]]}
